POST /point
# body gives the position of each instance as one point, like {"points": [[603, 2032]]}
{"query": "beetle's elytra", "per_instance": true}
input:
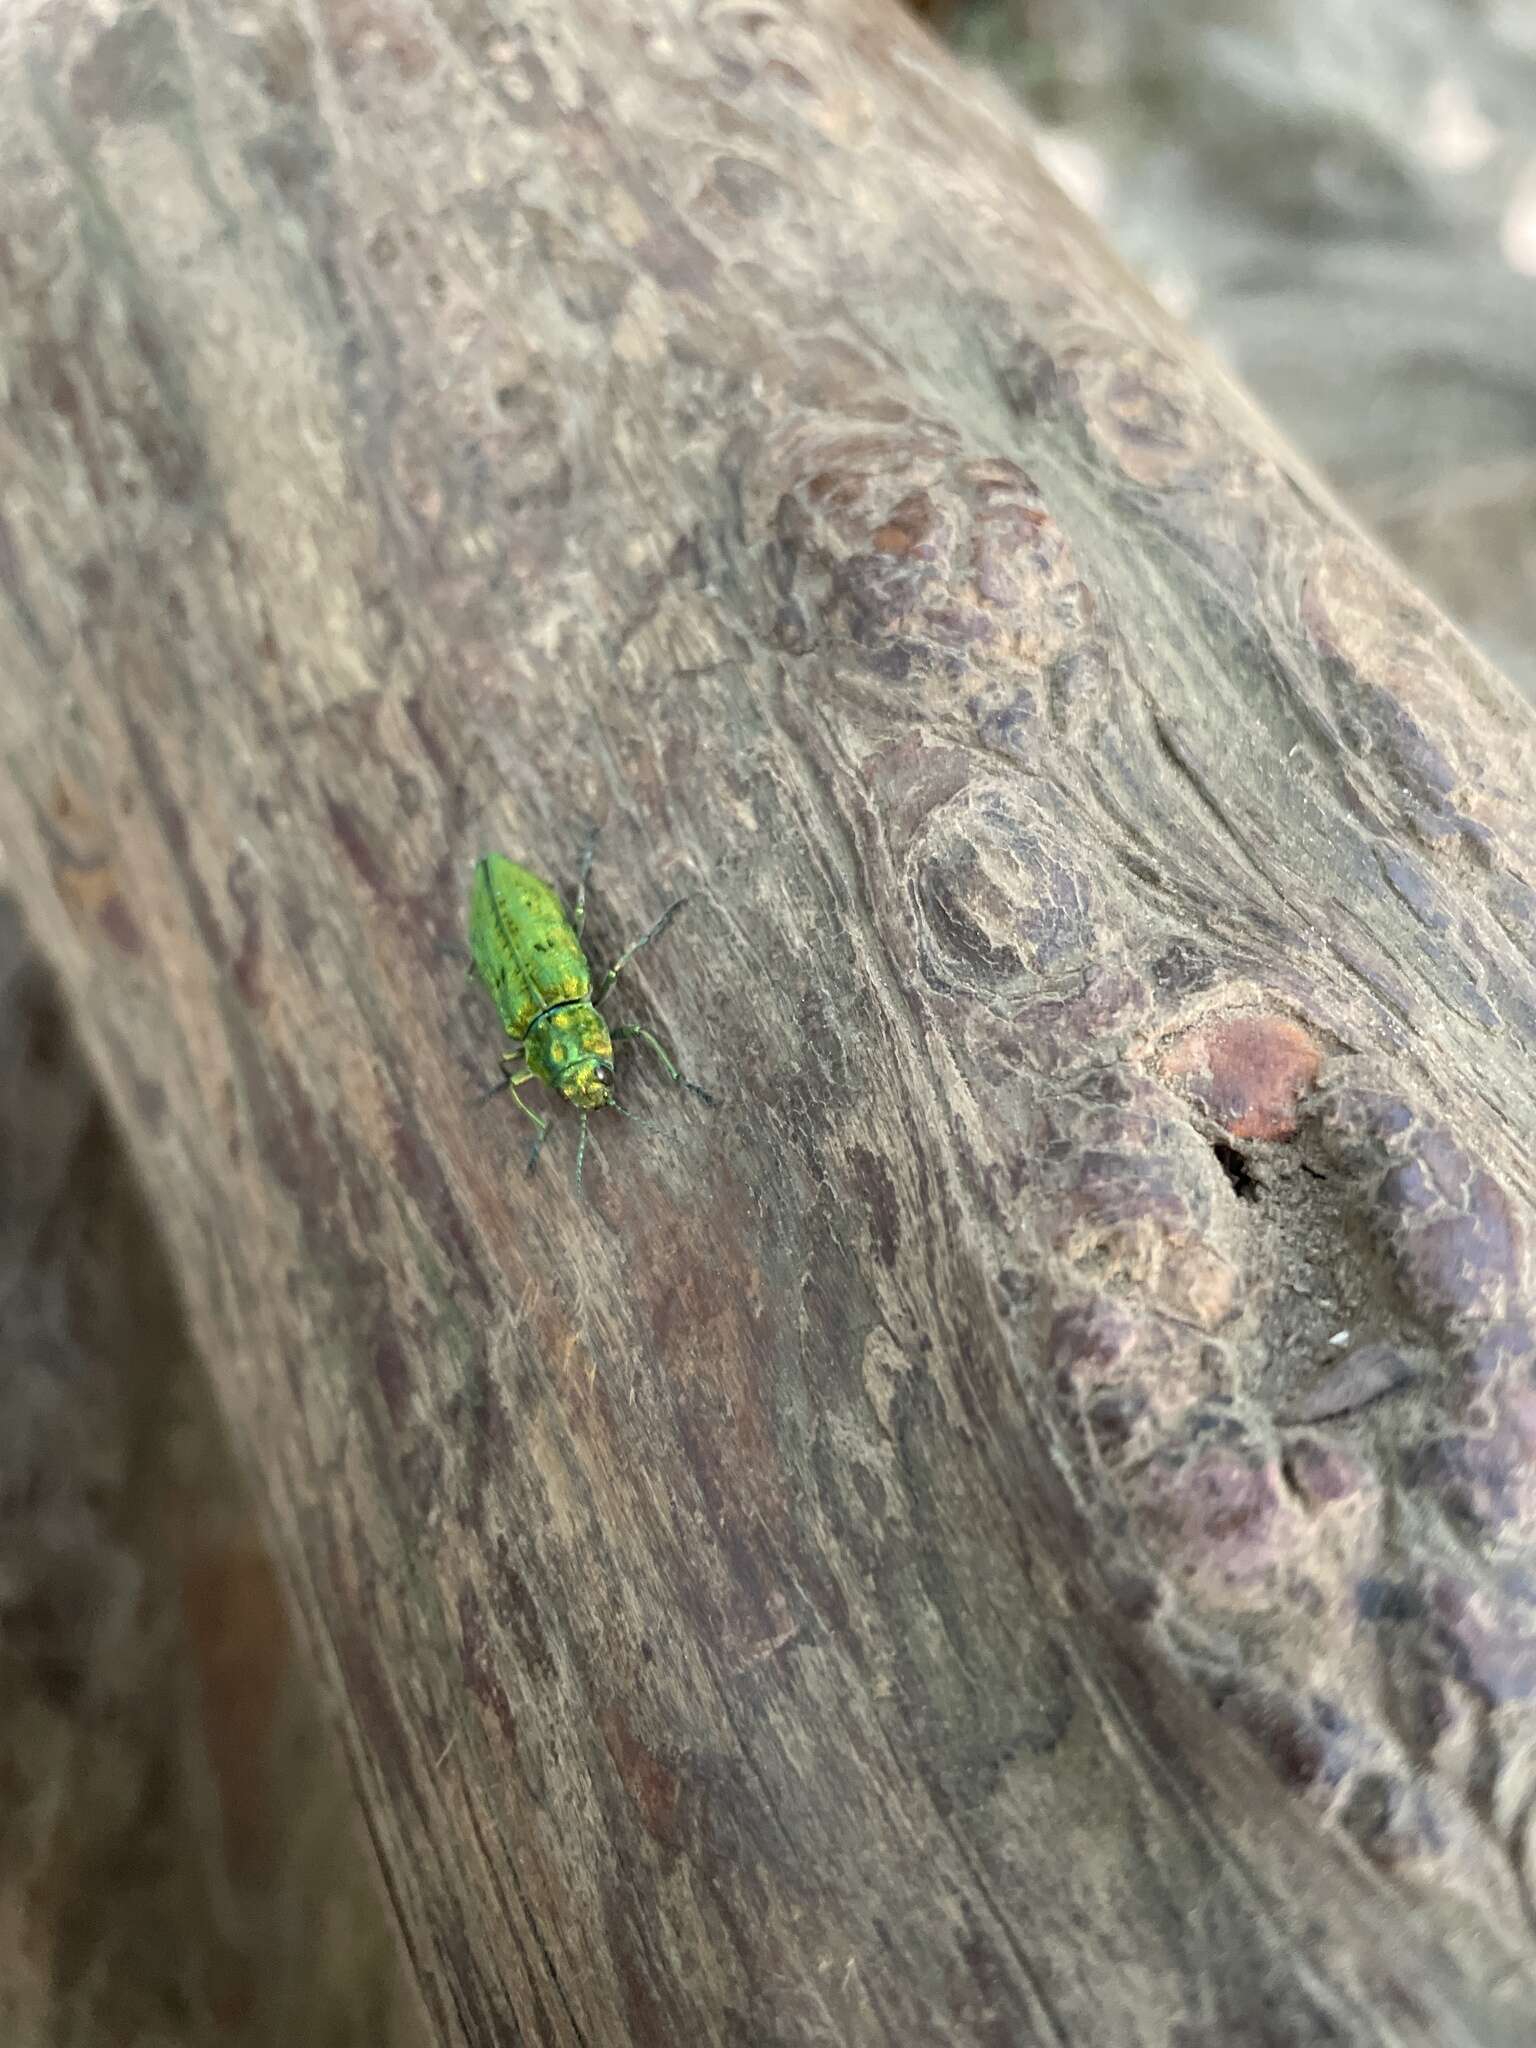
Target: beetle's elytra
{"points": [[528, 953]]}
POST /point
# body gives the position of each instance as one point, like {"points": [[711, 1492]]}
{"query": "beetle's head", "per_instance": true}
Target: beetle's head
{"points": [[575, 1055], [589, 1084]]}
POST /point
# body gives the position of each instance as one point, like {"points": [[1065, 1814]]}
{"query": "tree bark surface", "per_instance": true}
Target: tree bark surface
{"points": [[1017, 1526]]}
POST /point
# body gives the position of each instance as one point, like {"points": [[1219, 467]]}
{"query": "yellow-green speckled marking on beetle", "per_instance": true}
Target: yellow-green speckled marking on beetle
{"points": [[529, 955]]}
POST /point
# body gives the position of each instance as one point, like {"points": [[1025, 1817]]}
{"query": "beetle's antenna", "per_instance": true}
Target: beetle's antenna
{"points": [[581, 1150], [631, 1114]]}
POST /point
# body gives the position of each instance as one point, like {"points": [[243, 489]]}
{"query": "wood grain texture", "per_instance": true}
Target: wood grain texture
{"points": [[849, 1580], [174, 1821]]}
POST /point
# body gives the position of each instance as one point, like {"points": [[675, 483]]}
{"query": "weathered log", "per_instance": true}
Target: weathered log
{"points": [[173, 1808], [902, 1559]]}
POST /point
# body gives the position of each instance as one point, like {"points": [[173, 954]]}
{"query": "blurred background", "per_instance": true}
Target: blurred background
{"points": [[1341, 199]]}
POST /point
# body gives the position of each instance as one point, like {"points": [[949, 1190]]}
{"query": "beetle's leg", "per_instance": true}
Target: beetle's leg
{"points": [[514, 1082], [629, 952], [508, 1059], [538, 1144], [533, 1117], [649, 1038], [579, 909]]}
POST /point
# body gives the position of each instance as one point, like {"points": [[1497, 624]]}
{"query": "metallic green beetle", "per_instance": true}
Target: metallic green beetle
{"points": [[529, 955]]}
